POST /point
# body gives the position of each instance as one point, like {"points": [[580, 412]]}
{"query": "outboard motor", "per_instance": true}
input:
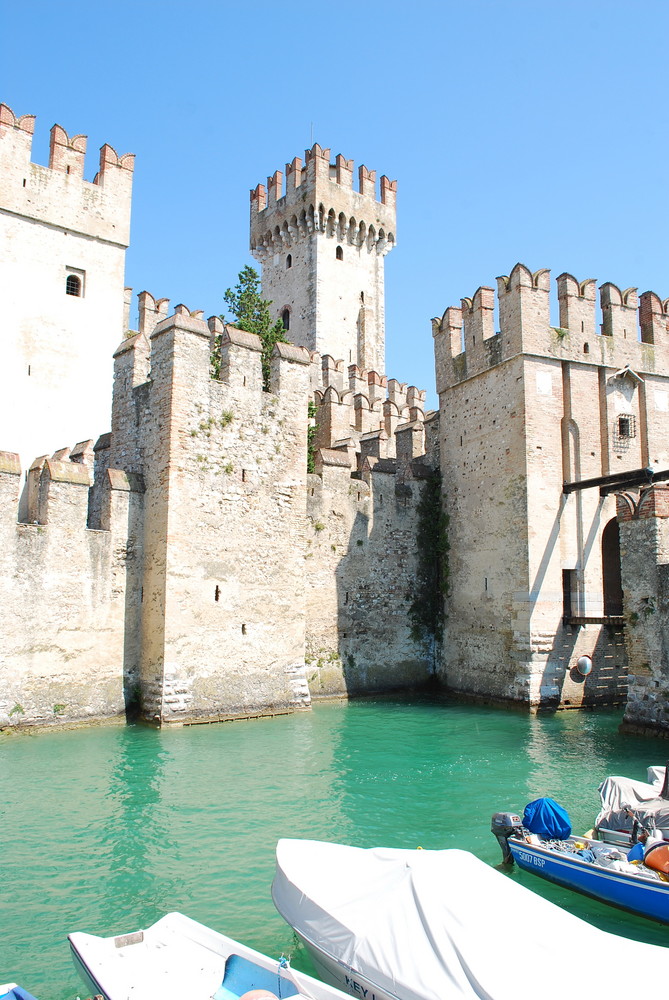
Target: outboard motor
{"points": [[503, 825]]}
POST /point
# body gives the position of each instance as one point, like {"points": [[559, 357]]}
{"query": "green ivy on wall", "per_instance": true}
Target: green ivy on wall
{"points": [[426, 609]]}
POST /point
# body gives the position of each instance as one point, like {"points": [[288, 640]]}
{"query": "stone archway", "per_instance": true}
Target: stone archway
{"points": [[611, 575]]}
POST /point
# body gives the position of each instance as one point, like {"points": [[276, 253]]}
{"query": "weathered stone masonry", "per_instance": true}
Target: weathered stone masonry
{"points": [[523, 411], [644, 543], [198, 575], [186, 565], [225, 583], [63, 601]]}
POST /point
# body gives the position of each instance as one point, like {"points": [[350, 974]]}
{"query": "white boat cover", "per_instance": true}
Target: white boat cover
{"points": [[436, 925], [617, 793]]}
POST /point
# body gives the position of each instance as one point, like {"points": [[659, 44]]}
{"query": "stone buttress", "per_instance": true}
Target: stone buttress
{"points": [[224, 463]]}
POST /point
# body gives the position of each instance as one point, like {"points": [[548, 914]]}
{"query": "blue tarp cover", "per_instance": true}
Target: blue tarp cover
{"points": [[547, 819]]}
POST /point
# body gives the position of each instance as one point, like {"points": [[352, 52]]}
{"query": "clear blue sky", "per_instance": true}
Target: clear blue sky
{"points": [[517, 131]]}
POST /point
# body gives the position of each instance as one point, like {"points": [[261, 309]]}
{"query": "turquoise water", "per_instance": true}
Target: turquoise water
{"points": [[107, 829]]}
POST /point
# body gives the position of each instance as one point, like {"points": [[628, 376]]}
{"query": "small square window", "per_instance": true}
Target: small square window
{"points": [[626, 425], [624, 430]]}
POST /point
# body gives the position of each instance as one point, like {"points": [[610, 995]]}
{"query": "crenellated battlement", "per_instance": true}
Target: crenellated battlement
{"points": [[318, 197], [213, 368], [653, 317], [230, 355], [364, 414], [58, 194], [634, 330], [317, 166], [59, 489]]}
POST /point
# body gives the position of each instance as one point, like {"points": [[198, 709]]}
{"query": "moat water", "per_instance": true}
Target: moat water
{"points": [[107, 829]]}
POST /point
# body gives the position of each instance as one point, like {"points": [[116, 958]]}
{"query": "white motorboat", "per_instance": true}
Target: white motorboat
{"points": [[388, 924], [629, 806], [178, 958]]}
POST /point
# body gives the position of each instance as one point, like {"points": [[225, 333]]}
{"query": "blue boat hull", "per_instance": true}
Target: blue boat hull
{"points": [[646, 897]]}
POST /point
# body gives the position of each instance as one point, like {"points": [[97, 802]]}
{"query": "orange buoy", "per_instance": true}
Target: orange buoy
{"points": [[657, 857]]}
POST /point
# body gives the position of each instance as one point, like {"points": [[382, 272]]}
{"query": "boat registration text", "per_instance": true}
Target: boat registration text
{"points": [[531, 859]]}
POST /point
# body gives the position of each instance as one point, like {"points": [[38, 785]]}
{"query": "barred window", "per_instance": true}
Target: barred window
{"points": [[73, 285], [626, 425]]}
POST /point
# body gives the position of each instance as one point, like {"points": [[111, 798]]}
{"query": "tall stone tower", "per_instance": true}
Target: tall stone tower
{"points": [[321, 245], [62, 256], [540, 427]]}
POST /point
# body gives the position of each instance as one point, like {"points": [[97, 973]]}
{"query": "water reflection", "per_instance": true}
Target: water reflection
{"points": [[570, 754], [136, 839]]}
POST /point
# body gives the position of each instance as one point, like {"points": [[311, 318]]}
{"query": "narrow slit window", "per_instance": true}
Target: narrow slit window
{"points": [[339, 253], [285, 319], [289, 261]]}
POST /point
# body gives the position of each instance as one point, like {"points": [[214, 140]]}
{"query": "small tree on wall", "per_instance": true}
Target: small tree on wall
{"points": [[251, 313]]}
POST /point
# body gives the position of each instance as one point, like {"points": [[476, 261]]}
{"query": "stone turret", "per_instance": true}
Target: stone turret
{"points": [[321, 245]]}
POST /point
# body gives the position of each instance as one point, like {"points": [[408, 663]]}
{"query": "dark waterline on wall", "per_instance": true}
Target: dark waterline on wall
{"points": [[107, 829]]}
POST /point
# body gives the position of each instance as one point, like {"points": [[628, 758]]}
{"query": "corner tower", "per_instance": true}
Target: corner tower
{"points": [[321, 245], [62, 256]]}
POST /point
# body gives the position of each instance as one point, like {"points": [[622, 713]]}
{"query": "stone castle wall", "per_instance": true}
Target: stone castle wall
{"points": [[644, 535], [204, 575], [362, 566], [65, 596], [189, 566]]}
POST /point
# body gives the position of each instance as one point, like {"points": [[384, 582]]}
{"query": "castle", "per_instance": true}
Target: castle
{"points": [[186, 565]]}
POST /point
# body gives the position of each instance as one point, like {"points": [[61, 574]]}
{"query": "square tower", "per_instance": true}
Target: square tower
{"points": [[321, 245], [540, 427], [62, 258]]}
